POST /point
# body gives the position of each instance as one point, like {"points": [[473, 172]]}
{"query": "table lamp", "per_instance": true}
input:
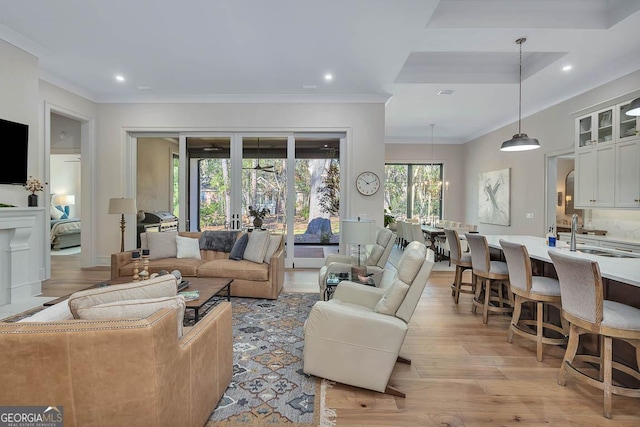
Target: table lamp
{"points": [[122, 206], [357, 232], [64, 201]]}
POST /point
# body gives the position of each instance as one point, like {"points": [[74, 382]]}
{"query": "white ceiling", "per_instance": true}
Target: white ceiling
{"points": [[403, 51]]}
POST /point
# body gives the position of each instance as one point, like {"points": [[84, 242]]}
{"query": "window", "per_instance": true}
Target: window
{"points": [[414, 190]]}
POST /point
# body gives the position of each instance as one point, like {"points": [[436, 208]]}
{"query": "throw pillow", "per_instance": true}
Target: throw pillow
{"points": [[274, 244], [187, 247], [55, 213], [162, 245], [135, 309], [257, 246], [55, 313], [161, 286], [237, 252], [392, 298], [64, 211]]}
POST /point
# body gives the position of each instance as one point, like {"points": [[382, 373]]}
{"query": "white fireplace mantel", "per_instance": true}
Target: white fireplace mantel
{"points": [[22, 254]]}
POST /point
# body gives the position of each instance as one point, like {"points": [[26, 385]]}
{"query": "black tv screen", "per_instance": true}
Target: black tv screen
{"points": [[14, 138]]}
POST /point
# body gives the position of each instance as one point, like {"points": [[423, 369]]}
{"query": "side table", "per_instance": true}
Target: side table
{"points": [[333, 280]]}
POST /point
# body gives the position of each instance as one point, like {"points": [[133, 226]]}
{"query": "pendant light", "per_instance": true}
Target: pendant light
{"points": [[634, 108], [520, 141]]}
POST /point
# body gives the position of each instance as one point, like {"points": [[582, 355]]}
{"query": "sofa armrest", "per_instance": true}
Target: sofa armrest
{"points": [[345, 259], [356, 293], [117, 261]]}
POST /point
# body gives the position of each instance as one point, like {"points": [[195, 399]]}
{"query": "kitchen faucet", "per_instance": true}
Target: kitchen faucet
{"points": [[574, 227]]}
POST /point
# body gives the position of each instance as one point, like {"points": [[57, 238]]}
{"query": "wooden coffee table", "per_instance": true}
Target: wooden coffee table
{"points": [[209, 288]]}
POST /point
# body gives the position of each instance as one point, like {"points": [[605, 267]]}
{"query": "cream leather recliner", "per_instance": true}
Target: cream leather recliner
{"points": [[377, 255], [356, 337]]}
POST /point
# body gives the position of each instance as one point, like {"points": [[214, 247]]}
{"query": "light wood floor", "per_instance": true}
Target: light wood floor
{"points": [[463, 373]]}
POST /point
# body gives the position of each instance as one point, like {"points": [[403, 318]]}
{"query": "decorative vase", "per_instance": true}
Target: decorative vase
{"points": [[32, 200], [257, 222]]}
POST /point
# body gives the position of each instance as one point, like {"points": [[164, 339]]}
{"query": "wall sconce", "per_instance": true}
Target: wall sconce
{"points": [[568, 198]]}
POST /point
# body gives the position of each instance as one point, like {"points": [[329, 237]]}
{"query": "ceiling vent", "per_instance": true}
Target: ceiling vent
{"points": [[446, 92]]}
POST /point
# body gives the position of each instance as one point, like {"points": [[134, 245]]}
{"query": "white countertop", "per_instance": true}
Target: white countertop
{"points": [[625, 270], [602, 238]]}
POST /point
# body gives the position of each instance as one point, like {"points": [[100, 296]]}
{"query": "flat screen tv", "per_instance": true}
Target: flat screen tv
{"points": [[14, 138]]}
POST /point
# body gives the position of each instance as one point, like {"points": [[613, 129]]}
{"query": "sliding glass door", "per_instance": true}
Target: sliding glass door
{"points": [[241, 181]]}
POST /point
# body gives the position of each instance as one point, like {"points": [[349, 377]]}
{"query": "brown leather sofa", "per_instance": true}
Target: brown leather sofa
{"points": [[119, 372], [250, 279]]}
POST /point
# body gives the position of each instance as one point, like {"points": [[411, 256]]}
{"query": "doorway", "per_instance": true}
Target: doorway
{"points": [[559, 191]]}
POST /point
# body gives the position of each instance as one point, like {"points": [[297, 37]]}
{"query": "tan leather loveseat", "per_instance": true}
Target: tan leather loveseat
{"points": [[251, 279], [119, 372]]}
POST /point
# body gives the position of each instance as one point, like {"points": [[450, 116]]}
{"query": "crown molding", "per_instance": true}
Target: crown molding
{"points": [[66, 85], [247, 99], [22, 42]]}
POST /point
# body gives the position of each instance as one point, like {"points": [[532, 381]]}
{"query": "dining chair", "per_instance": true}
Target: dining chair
{"points": [[586, 310]]}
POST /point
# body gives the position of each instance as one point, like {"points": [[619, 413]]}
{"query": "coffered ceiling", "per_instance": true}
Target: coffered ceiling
{"points": [[401, 52]]}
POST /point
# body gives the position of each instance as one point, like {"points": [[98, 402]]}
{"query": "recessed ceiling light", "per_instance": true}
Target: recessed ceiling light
{"points": [[119, 77], [567, 68], [328, 77], [446, 92]]}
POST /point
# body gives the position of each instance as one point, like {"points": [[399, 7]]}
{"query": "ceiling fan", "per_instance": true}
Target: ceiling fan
{"points": [[257, 167]]}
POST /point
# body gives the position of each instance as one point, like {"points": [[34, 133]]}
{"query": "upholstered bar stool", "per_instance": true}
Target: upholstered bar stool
{"points": [[491, 276], [542, 291], [462, 262], [588, 313]]}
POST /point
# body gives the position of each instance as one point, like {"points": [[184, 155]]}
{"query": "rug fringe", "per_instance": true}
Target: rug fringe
{"points": [[327, 415]]}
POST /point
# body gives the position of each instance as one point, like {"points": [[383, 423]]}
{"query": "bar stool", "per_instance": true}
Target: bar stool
{"points": [[543, 291], [588, 313], [492, 275], [462, 262]]}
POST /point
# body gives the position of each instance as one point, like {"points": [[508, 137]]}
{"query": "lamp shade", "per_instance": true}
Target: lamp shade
{"points": [[122, 206], [520, 142], [357, 231], [64, 199], [634, 108]]}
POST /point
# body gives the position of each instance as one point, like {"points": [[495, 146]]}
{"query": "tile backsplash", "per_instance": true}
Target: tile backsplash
{"points": [[618, 223]]}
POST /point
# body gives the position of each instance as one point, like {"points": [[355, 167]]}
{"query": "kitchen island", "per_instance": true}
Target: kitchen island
{"points": [[620, 277], [623, 270]]}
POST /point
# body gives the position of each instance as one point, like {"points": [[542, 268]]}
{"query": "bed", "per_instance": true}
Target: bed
{"points": [[65, 233]]}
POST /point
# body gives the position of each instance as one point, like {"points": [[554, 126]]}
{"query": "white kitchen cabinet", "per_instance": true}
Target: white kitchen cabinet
{"points": [[627, 127], [595, 181], [627, 183], [596, 128], [626, 247]]}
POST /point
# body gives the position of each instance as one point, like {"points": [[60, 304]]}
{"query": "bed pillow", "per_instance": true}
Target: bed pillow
{"points": [[56, 213], [135, 309], [187, 247], [237, 252], [162, 245], [65, 215], [257, 246]]}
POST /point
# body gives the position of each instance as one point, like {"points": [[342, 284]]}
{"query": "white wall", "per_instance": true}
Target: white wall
{"points": [[19, 103], [364, 124], [554, 128]]}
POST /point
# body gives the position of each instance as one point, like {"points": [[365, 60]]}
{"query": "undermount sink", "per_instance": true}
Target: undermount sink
{"points": [[601, 252]]}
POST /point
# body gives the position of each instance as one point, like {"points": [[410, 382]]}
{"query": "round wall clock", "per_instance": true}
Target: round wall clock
{"points": [[367, 183]]}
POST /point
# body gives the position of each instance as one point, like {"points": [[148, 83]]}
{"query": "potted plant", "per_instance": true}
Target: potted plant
{"points": [[258, 215], [389, 220], [32, 185]]}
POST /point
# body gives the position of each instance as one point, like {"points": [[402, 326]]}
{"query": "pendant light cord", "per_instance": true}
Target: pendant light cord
{"points": [[520, 41]]}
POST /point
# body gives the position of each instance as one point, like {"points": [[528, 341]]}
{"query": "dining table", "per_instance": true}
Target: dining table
{"points": [[432, 233]]}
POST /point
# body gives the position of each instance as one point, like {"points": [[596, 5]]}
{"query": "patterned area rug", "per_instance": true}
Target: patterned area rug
{"points": [[268, 385]]}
